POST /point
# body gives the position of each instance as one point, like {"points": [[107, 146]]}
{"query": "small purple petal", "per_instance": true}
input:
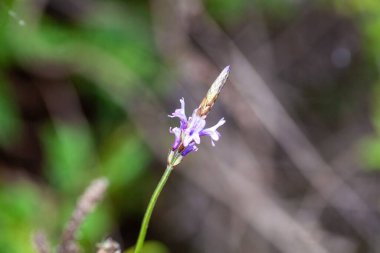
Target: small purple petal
{"points": [[180, 113], [189, 148], [195, 125], [196, 138], [177, 133], [212, 131]]}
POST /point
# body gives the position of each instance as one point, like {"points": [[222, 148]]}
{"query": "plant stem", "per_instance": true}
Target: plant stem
{"points": [[149, 210]]}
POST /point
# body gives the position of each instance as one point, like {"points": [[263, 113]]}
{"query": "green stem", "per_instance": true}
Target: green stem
{"points": [[149, 210]]}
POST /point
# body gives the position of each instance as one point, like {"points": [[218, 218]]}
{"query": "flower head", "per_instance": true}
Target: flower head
{"points": [[188, 134], [190, 130]]}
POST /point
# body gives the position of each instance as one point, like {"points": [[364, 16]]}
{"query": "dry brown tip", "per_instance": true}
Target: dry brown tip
{"points": [[213, 93]]}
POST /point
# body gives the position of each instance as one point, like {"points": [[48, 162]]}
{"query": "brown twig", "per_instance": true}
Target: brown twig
{"points": [[86, 203], [41, 243]]}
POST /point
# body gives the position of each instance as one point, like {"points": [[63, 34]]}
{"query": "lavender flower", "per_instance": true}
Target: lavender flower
{"points": [[187, 135], [190, 130]]}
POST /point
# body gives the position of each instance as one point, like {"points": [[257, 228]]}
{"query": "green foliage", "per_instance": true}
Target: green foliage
{"points": [[110, 48], [124, 161], [230, 12], [370, 150], [370, 147], [104, 36], [23, 209], [373, 36], [368, 14], [69, 151], [227, 9], [124, 158]]}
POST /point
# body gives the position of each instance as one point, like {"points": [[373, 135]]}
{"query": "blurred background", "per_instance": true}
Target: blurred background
{"points": [[86, 87]]}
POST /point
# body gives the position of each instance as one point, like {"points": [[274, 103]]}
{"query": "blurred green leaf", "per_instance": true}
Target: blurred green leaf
{"points": [[70, 156], [371, 30], [18, 203], [376, 106], [23, 210], [4, 17], [123, 158], [151, 247], [129, 39], [370, 152], [227, 10], [231, 12], [366, 7], [108, 31]]}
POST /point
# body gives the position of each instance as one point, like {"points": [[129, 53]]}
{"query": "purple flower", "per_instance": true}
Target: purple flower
{"points": [[190, 130]]}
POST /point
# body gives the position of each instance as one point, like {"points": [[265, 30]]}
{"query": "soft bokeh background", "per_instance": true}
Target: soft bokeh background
{"points": [[86, 86]]}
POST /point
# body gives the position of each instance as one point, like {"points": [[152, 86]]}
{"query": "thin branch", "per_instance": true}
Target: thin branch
{"points": [[41, 243], [86, 203]]}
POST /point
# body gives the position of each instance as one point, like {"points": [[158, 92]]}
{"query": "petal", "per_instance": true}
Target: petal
{"points": [[177, 133], [212, 131], [189, 149], [220, 123], [180, 113], [195, 124], [196, 138], [187, 140]]}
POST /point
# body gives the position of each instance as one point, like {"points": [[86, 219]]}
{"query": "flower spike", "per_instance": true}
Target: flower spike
{"points": [[213, 93], [192, 128], [186, 138]]}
